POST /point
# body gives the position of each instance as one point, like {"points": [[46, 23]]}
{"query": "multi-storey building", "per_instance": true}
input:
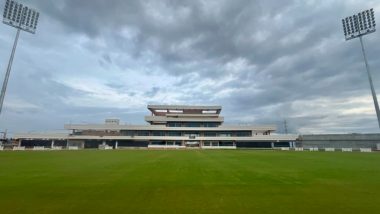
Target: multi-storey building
{"points": [[170, 126]]}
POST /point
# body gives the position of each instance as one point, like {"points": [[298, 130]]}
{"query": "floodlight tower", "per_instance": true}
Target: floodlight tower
{"points": [[357, 26], [20, 17]]}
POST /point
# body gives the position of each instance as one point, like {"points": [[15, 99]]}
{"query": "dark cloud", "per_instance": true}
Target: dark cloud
{"points": [[264, 61]]}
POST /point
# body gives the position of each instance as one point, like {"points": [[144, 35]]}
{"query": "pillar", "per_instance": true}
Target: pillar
{"points": [[116, 144], [272, 145], [52, 144], [19, 143], [67, 144]]}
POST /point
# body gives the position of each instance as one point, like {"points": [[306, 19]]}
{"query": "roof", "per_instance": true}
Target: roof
{"points": [[183, 107], [186, 109]]}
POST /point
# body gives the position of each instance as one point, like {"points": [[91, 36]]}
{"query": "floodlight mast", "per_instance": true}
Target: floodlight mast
{"points": [[357, 26], [22, 18]]}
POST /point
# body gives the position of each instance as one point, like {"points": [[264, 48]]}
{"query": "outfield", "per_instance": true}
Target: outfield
{"points": [[241, 181]]}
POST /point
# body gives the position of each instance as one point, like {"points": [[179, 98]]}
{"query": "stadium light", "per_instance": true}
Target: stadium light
{"points": [[357, 26], [20, 17]]}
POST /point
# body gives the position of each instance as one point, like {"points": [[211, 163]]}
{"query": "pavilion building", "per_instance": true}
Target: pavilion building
{"points": [[169, 126]]}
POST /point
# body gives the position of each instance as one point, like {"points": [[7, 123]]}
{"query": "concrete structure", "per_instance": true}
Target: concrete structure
{"points": [[170, 126]]}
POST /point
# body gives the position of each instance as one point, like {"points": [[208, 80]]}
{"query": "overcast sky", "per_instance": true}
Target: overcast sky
{"points": [[264, 61]]}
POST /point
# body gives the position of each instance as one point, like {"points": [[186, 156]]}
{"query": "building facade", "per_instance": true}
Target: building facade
{"points": [[169, 126]]}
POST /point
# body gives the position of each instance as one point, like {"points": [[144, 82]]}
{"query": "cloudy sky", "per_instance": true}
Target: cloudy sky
{"points": [[264, 61]]}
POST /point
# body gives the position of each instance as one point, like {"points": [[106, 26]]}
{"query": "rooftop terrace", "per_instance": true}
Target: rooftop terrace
{"points": [[163, 110]]}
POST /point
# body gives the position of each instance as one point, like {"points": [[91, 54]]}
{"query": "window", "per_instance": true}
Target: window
{"points": [[158, 133], [142, 133], [172, 124], [225, 134], [174, 133], [211, 124], [127, 132], [210, 134], [193, 134], [243, 133]]}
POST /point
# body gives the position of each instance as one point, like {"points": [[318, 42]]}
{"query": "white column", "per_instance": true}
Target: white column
{"points": [[52, 144], [116, 144], [272, 145]]}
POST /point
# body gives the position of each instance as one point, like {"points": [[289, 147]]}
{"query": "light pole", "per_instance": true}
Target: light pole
{"points": [[22, 18], [357, 26]]}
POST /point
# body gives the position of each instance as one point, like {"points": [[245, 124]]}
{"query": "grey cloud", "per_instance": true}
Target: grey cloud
{"points": [[152, 92], [292, 51]]}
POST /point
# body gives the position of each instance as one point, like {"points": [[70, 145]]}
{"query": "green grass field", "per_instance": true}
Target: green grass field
{"points": [[137, 181]]}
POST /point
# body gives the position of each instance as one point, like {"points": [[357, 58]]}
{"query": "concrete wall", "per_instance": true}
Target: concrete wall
{"points": [[340, 140]]}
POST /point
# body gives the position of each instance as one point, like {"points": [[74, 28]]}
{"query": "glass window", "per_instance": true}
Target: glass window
{"points": [[174, 133], [158, 133], [142, 133], [243, 133], [188, 134], [127, 132], [173, 124], [225, 134], [210, 134], [211, 124]]}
